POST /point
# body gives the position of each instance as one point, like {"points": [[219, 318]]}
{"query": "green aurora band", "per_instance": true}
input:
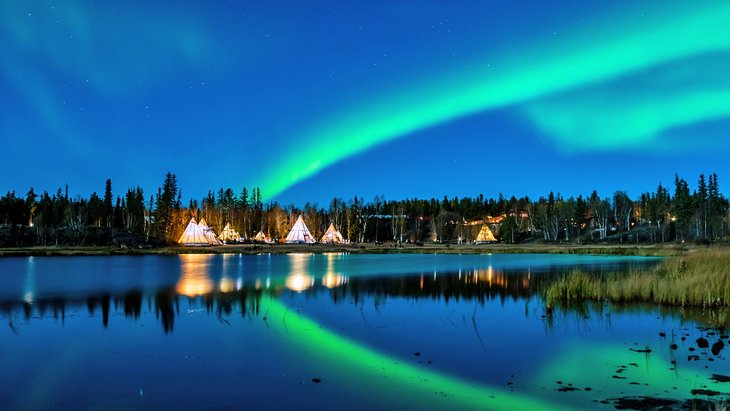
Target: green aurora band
{"points": [[587, 60], [417, 388], [396, 380], [628, 125]]}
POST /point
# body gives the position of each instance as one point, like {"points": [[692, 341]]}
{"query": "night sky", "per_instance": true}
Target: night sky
{"points": [[312, 100]]}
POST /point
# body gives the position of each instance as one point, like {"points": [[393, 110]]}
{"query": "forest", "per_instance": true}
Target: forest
{"points": [[664, 214]]}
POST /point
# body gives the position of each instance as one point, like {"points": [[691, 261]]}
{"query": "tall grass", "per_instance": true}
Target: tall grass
{"points": [[699, 278]]}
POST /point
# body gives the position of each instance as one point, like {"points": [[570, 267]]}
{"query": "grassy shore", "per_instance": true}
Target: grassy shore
{"points": [[365, 248], [699, 277]]}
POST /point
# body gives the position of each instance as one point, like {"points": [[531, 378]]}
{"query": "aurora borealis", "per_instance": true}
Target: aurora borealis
{"points": [[329, 99]]}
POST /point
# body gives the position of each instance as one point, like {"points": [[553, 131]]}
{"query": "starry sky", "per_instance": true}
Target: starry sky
{"points": [[312, 100]]}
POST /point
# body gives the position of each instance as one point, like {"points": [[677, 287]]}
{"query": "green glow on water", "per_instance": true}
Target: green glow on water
{"points": [[600, 55], [392, 377], [594, 366]]}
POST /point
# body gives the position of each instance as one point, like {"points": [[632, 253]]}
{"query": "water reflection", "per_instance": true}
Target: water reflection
{"points": [[223, 287], [29, 287], [195, 277], [133, 305], [227, 285], [166, 307], [274, 317], [299, 282], [331, 278], [196, 284], [299, 278]]}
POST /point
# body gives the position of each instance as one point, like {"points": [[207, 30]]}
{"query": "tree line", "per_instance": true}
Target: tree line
{"points": [[666, 214]]}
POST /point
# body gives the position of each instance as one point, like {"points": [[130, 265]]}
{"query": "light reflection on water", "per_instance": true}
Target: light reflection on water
{"points": [[299, 278], [213, 276], [194, 279], [462, 312], [29, 288]]}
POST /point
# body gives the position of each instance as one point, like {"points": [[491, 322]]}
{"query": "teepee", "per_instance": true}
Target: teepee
{"points": [[485, 235], [299, 233], [261, 237], [209, 234], [193, 235], [229, 234], [332, 236]]}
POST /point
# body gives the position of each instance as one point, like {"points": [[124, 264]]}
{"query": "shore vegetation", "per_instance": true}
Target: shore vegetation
{"points": [[699, 278]]}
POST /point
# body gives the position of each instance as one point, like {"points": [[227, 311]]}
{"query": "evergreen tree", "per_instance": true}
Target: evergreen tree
{"points": [[702, 202], [32, 205], [715, 208], [663, 208], [682, 207], [245, 218], [581, 215], [108, 215], [135, 211], [95, 210], [622, 210], [165, 203], [119, 214]]}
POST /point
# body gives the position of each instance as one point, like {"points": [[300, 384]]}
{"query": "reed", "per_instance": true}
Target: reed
{"points": [[698, 278]]}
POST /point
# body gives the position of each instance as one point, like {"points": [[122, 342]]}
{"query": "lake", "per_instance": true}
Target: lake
{"points": [[338, 331]]}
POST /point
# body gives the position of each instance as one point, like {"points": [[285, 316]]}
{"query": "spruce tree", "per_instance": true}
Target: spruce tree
{"points": [[682, 208], [166, 201], [108, 213]]}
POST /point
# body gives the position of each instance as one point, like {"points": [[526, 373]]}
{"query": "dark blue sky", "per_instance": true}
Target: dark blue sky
{"points": [[321, 99]]}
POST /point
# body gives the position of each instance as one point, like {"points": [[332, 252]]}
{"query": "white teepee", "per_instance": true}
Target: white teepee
{"points": [[209, 234], [260, 236], [229, 234], [193, 235], [332, 236], [299, 233]]}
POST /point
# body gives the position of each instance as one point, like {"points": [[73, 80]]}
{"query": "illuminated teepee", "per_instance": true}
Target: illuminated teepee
{"points": [[229, 235], [485, 235], [209, 234], [332, 236], [260, 237], [193, 235], [299, 233]]}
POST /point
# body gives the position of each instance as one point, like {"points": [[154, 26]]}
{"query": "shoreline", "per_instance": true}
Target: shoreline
{"points": [[698, 279], [367, 248]]}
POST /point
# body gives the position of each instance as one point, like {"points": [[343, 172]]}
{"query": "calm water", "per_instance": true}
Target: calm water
{"points": [[334, 331]]}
